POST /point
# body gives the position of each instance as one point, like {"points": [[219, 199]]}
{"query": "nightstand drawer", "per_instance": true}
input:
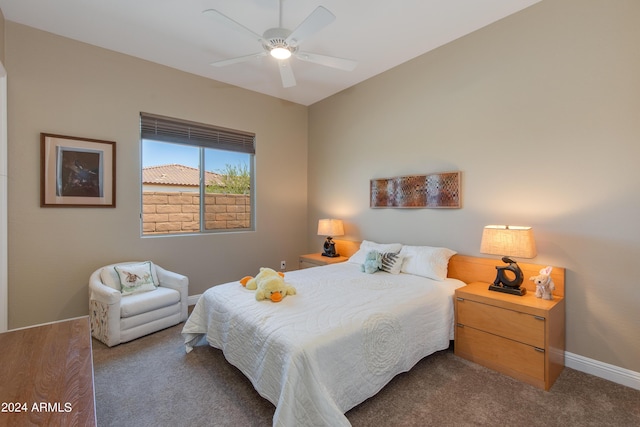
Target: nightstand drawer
{"points": [[514, 325], [492, 351]]}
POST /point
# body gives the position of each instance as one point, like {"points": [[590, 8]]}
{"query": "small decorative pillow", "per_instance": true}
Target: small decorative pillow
{"points": [[426, 261], [135, 277], [109, 276], [391, 262], [367, 246]]}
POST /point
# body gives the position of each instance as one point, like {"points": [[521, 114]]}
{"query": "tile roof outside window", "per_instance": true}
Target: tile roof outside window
{"points": [[175, 174]]}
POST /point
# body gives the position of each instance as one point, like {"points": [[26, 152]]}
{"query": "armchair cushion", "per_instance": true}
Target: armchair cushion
{"points": [[140, 303]]}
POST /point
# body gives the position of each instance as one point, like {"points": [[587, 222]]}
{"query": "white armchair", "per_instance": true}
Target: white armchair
{"points": [[120, 313]]}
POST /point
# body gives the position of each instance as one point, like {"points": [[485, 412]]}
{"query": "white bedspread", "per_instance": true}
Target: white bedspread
{"points": [[319, 353]]}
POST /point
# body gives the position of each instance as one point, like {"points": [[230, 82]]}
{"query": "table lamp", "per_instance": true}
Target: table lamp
{"points": [[329, 228], [508, 241]]}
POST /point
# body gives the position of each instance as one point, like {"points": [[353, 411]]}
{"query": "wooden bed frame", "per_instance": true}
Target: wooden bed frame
{"points": [[471, 269]]}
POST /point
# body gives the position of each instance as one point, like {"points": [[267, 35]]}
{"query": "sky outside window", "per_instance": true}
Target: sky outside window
{"points": [[161, 153]]}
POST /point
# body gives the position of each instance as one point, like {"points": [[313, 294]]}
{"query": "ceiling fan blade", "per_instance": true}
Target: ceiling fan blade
{"points": [[317, 20], [327, 61], [224, 19], [286, 73], [237, 60]]}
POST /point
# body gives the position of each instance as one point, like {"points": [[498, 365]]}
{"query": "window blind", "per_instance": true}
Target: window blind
{"points": [[167, 129]]}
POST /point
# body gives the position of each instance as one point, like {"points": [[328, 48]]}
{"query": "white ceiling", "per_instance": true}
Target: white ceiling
{"points": [[379, 34]]}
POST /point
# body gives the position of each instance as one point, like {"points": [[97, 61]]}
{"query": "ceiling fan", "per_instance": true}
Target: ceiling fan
{"points": [[282, 43]]}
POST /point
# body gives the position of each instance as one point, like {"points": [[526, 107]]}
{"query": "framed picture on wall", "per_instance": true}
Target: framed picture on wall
{"points": [[435, 190], [77, 172]]}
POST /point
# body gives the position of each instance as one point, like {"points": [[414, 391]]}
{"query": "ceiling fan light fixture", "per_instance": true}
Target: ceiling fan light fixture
{"points": [[280, 53]]}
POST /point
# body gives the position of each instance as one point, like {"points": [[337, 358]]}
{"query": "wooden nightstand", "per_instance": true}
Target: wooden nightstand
{"points": [[521, 336], [314, 260]]}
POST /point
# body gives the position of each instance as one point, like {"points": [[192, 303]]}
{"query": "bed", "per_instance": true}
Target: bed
{"points": [[337, 342]]}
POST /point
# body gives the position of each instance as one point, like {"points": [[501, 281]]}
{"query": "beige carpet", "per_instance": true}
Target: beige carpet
{"points": [[152, 382]]}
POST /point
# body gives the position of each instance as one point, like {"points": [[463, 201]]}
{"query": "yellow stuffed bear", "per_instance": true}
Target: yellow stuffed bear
{"points": [[269, 284]]}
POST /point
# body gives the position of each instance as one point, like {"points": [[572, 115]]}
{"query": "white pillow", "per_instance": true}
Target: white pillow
{"points": [[109, 277], [426, 261], [391, 262], [136, 277], [366, 246]]}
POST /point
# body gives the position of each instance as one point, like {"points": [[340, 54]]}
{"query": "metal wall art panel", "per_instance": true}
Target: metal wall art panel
{"points": [[436, 190]]}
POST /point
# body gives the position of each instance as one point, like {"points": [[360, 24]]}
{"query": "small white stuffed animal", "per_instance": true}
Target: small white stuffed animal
{"points": [[544, 283]]}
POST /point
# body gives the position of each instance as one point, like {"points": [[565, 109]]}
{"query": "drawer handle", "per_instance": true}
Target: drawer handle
{"points": [[460, 299], [541, 350], [460, 325], [539, 317]]}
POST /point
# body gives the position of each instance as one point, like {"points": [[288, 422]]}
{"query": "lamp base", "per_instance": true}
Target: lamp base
{"points": [[505, 284], [508, 290], [331, 255], [329, 248]]}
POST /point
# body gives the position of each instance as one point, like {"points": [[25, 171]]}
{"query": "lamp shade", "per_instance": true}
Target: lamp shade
{"points": [[508, 240], [330, 227]]}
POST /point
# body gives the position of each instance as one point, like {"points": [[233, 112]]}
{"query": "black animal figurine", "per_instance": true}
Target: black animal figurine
{"points": [[506, 285]]}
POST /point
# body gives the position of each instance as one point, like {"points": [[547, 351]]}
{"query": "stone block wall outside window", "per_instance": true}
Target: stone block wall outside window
{"points": [[179, 212]]}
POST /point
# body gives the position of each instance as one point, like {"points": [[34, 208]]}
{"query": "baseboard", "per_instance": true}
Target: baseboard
{"points": [[193, 299], [609, 372]]}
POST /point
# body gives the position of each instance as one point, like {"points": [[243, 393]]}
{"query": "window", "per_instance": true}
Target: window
{"points": [[196, 178]]}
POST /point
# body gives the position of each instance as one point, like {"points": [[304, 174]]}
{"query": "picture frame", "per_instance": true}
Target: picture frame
{"points": [[77, 172], [432, 191]]}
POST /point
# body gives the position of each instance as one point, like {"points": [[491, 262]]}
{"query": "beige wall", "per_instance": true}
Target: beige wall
{"points": [[60, 86], [541, 113]]}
